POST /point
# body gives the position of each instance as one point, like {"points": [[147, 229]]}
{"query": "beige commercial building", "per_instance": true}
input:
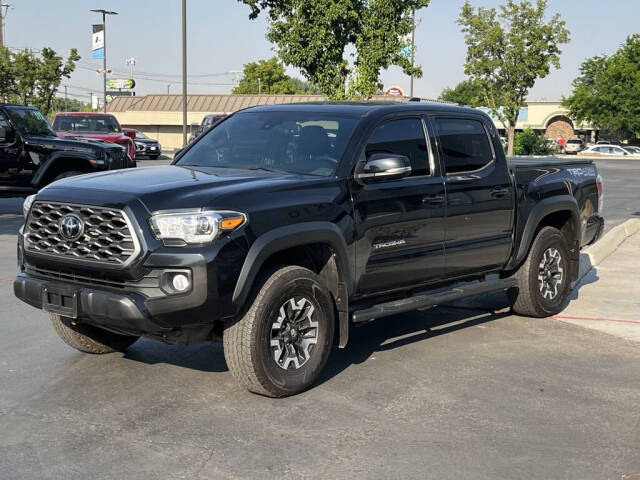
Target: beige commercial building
{"points": [[160, 116]]}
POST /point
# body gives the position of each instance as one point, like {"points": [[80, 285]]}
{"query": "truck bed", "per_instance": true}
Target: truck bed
{"points": [[515, 162]]}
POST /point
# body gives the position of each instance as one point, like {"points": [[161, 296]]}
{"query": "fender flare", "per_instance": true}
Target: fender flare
{"points": [[57, 156], [541, 210], [291, 236]]}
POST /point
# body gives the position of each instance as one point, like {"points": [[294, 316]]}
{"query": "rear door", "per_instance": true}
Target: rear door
{"points": [[480, 197], [400, 223]]}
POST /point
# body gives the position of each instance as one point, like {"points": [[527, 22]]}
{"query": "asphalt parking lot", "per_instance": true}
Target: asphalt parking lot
{"points": [[449, 393]]}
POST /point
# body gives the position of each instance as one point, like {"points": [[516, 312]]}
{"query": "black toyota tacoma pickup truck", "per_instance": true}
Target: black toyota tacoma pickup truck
{"points": [[284, 225], [32, 155]]}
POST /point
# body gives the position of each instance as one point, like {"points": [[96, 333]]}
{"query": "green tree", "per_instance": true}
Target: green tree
{"points": [[607, 91], [7, 81], [59, 104], [33, 80], [314, 36], [52, 69], [467, 92], [268, 76], [508, 50]]}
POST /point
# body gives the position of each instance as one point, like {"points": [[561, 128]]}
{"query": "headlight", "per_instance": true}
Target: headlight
{"points": [[179, 228], [26, 206]]}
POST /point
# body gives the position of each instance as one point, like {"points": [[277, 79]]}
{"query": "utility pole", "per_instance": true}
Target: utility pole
{"points": [[168, 88], [3, 16], [413, 49], [259, 86], [104, 57], [184, 73], [1, 26]]}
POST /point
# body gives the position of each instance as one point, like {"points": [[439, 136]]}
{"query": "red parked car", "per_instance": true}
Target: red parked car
{"points": [[98, 126]]}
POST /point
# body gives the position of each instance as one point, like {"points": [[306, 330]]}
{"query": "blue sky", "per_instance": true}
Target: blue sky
{"points": [[222, 38]]}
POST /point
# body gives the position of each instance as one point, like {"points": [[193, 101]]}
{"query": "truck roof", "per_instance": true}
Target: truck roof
{"points": [[83, 114], [16, 105], [364, 108]]}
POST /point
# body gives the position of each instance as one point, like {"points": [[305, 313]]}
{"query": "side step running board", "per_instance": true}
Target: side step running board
{"points": [[432, 299]]}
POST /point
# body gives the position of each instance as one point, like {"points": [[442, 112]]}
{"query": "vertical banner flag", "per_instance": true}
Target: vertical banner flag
{"points": [[97, 42]]}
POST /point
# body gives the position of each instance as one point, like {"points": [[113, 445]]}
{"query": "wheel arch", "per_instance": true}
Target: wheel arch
{"points": [[558, 212], [319, 246], [57, 163]]}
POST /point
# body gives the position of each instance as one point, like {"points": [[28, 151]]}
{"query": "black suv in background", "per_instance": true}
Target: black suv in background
{"points": [[284, 225], [32, 155], [147, 147]]}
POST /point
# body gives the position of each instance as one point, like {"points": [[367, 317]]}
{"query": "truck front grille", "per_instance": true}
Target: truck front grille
{"points": [[105, 235], [119, 159]]}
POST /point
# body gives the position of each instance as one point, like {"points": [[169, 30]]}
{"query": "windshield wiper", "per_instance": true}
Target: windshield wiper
{"points": [[264, 169]]}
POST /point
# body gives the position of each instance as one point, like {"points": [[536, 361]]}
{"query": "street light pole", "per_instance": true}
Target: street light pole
{"points": [[104, 56], [184, 73]]}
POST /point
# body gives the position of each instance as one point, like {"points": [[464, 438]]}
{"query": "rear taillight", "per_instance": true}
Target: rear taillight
{"points": [[600, 186]]}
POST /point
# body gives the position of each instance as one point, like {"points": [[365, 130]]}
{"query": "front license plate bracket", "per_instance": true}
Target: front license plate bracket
{"points": [[61, 301]]}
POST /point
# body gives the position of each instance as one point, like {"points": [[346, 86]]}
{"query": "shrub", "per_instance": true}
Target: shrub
{"points": [[529, 142]]}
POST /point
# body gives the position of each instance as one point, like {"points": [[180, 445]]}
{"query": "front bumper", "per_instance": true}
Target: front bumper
{"points": [[142, 311]]}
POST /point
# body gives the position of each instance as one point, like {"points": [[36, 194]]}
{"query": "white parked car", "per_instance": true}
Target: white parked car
{"points": [[607, 150], [633, 150], [574, 145]]}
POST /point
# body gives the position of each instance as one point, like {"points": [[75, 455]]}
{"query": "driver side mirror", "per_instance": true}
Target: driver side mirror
{"points": [[130, 133], [384, 166]]}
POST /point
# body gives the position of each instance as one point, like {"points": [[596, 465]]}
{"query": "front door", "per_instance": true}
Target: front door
{"points": [[9, 162], [480, 197], [400, 223]]}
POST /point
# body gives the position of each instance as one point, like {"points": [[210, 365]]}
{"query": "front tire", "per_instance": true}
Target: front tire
{"points": [[153, 157], [282, 342], [89, 339], [543, 279]]}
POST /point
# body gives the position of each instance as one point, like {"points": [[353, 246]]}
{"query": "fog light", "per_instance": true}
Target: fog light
{"points": [[180, 282]]}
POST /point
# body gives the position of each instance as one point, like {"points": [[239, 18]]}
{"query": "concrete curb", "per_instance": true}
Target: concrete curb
{"points": [[609, 243]]}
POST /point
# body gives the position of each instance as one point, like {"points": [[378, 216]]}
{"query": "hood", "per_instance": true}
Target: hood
{"points": [[146, 140], [55, 144], [170, 187], [108, 136]]}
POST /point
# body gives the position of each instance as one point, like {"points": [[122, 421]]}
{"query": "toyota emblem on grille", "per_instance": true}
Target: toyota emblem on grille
{"points": [[71, 227]]}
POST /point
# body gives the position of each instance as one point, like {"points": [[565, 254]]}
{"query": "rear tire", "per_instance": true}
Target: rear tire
{"points": [[543, 279], [90, 339], [282, 342]]}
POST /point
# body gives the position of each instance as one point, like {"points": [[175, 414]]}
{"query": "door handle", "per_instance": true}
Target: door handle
{"points": [[433, 200], [499, 192]]}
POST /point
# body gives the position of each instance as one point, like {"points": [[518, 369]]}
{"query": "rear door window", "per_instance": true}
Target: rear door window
{"points": [[464, 144]]}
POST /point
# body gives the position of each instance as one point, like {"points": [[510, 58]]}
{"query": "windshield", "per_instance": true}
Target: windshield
{"points": [[298, 142], [139, 134], [30, 121], [86, 124]]}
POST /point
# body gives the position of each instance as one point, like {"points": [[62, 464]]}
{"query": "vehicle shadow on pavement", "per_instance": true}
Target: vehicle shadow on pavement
{"points": [[400, 330], [588, 274], [206, 357], [10, 224]]}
